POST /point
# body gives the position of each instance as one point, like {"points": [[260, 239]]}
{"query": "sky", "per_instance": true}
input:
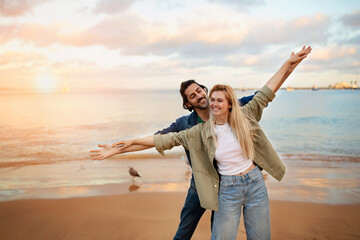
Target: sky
{"points": [[46, 45]]}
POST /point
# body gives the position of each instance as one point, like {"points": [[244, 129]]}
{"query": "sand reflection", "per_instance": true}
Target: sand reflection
{"points": [[73, 191], [133, 188], [166, 187], [330, 183]]}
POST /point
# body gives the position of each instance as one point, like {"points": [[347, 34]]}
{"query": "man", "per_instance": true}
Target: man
{"points": [[196, 101]]}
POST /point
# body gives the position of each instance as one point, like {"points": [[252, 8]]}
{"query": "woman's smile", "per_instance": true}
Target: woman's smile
{"points": [[219, 106]]}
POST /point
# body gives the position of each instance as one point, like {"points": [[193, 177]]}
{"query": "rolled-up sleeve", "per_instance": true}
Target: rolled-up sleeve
{"points": [[170, 140], [158, 143], [268, 92], [259, 102]]}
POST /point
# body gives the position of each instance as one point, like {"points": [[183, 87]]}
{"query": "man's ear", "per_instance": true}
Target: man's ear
{"points": [[188, 104]]}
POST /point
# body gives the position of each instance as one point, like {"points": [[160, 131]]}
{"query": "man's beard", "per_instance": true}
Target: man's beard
{"points": [[201, 106]]}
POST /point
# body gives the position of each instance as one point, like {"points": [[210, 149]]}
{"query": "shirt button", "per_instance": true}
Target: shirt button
{"points": [[211, 153], [215, 185]]}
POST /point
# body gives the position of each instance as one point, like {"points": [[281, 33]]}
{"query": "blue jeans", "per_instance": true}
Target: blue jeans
{"points": [[247, 192], [190, 214]]}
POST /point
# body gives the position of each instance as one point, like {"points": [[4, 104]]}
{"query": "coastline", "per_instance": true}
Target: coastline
{"points": [[156, 216], [308, 178]]}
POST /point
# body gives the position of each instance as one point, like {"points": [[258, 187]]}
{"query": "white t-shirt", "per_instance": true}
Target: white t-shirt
{"points": [[228, 154]]}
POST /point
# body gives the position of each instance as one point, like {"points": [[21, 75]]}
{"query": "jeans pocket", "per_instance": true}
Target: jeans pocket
{"points": [[257, 177], [225, 186], [226, 183]]}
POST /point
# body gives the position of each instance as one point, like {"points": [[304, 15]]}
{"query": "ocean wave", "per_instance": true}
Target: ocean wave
{"points": [[319, 157], [24, 163], [319, 120], [48, 158]]}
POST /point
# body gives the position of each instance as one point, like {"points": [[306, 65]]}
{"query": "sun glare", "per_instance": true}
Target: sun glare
{"points": [[46, 83]]}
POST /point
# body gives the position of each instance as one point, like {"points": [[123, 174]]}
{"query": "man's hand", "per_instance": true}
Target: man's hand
{"points": [[106, 151], [123, 144]]}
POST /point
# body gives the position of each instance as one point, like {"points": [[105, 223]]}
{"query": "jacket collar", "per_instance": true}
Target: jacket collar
{"points": [[207, 130]]}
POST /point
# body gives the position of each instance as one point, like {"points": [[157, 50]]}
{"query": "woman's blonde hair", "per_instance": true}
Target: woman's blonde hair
{"points": [[238, 121]]}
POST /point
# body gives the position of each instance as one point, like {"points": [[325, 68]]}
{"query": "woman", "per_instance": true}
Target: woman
{"points": [[230, 150]]}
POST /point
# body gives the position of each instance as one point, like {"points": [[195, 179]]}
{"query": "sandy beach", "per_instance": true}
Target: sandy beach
{"points": [[156, 216]]}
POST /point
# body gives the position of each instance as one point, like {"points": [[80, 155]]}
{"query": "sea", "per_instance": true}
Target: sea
{"points": [[45, 139]]}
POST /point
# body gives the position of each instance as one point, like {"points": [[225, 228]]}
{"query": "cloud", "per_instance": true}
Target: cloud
{"points": [[353, 40], [351, 20], [113, 6], [11, 8], [20, 67], [336, 58], [125, 30], [333, 52], [223, 36], [340, 58], [22, 59], [214, 35], [201, 32], [39, 35], [241, 5], [302, 30], [7, 33]]}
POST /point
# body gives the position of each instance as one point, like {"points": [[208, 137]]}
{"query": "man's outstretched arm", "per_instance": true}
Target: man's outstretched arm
{"points": [[108, 150]]}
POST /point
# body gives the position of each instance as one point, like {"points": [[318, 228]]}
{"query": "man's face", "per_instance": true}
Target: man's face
{"points": [[196, 97]]}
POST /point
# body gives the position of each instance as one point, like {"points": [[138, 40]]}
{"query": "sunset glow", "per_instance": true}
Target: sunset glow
{"points": [[157, 44]]}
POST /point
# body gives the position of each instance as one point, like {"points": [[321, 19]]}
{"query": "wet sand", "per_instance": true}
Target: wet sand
{"points": [[156, 216]]}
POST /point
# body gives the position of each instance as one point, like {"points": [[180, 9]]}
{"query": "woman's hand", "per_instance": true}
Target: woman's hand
{"points": [[287, 68], [298, 57], [106, 151]]}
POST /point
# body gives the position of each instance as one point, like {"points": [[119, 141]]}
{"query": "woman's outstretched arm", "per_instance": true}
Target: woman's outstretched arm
{"points": [[287, 68], [144, 141], [255, 107], [131, 145]]}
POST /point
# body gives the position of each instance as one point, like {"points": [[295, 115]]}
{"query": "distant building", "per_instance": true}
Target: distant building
{"points": [[343, 85]]}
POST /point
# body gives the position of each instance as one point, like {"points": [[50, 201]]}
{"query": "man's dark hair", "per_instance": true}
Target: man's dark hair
{"points": [[184, 85]]}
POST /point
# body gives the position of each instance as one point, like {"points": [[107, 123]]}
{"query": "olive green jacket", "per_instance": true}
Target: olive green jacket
{"points": [[199, 142]]}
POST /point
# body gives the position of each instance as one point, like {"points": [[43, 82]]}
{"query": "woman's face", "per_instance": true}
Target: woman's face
{"points": [[219, 106]]}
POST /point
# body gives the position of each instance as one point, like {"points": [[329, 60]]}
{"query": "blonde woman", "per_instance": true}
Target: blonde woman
{"points": [[228, 153]]}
